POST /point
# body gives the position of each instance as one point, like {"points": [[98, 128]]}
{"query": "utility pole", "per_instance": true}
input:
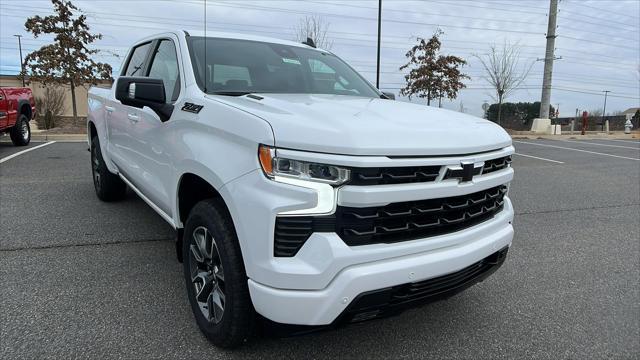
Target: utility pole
{"points": [[545, 102], [604, 108], [21, 64], [379, 28]]}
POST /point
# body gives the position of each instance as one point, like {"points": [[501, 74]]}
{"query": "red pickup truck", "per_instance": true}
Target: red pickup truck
{"points": [[17, 107]]}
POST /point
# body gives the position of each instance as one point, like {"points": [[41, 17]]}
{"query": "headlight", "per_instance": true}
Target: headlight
{"points": [[273, 166]]}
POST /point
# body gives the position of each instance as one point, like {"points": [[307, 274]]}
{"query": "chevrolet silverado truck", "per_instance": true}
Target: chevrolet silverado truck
{"points": [[17, 108], [300, 194]]}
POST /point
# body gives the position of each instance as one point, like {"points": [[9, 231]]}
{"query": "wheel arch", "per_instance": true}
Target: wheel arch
{"points": [[192, 188], [24, 107], [91, 131]]}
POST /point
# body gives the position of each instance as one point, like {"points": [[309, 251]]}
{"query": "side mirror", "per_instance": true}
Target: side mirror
{"points": [[142, 91], [389, 95]]}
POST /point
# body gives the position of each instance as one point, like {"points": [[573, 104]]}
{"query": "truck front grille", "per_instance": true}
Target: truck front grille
{"points": [[417, 219], [391, 223]]}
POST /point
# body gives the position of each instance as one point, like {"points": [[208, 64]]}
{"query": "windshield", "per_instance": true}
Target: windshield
{"points": [[237, 67]]}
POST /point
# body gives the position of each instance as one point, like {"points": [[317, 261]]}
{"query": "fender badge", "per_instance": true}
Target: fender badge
{"points": [[192, 108]]}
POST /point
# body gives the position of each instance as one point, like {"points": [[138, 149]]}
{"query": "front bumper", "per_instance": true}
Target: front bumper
{"points": [[322, 307], [317, 284]]}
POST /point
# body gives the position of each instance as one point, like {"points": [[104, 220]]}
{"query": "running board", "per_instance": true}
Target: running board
{"points": [[155, 207]]}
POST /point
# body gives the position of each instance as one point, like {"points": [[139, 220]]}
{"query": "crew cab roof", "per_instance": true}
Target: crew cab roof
{"points": [[229, 35]]}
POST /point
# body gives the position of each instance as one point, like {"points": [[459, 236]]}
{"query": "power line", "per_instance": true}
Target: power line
{"points": [[120, 18], [601, 10], [601, 24], [596, 93], [275, 9], [457, 3], [599, 33], [590, 41], [425, 13], [588, 16]]}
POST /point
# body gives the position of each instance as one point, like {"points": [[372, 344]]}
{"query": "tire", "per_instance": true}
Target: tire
{"points": [[109, 187], [21, 132], [227, 320]]}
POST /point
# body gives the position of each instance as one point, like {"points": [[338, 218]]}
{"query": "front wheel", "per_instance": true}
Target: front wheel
{"points": [[215, 276], [21, 132]]}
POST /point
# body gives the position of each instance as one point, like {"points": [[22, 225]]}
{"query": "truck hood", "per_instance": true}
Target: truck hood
{"points": [[352, 125]]}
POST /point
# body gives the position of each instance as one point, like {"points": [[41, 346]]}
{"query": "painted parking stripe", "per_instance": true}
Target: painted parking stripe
{"points": [[539, 158], [598, 144], [25, 151], [580, 150], [622, 140]]}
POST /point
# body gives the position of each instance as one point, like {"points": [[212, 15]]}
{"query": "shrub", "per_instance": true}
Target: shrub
{"points": [[50, 107]]}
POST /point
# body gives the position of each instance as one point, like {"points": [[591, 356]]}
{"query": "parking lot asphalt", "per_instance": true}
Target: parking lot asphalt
{"points": [[82, 278]]}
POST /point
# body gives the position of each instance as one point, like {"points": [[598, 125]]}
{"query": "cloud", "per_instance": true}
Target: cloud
{"points": [[598, 40]]}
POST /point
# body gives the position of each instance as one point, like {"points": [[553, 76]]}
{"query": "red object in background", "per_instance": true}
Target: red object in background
{"points": [[584, 122], [13, 102]]}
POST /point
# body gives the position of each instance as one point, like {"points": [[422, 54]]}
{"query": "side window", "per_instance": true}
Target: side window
{"points": [[136, 62], [165, 66]]}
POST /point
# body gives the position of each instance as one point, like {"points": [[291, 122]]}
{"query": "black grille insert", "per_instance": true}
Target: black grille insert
{"points": [[417, 219], [392, 223], [496, 164], [291, 232], [392, 300], [393, 175]]}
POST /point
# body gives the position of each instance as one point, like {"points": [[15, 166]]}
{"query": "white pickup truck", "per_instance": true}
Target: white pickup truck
{"points": [[299, 192]]}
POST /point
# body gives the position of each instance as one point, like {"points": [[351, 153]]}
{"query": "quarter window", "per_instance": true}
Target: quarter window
{"points": [[136, 62]]}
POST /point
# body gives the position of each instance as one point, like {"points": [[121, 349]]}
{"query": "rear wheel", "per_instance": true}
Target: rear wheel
{"points": [[21, 132], [215, 276], [109, 187]]}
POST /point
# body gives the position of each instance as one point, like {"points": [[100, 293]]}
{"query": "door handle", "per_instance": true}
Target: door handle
{"points": [[110, 109], [133, 117]]}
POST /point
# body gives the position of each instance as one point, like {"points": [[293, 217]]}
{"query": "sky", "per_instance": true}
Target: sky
{"points": [[598, 40]]}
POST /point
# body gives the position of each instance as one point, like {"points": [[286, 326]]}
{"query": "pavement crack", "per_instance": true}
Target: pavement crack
{"points": [[85, 244]]}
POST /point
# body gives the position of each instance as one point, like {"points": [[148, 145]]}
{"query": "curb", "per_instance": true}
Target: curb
{"points": [[59, 137]]}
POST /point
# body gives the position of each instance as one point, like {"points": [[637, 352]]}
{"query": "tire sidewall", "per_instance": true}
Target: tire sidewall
{"points": [[17, 137], [95, 152], [206, 215]]}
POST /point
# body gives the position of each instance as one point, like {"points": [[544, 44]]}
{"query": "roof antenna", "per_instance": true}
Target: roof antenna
{"points": [[309, 42], [204, 84]]}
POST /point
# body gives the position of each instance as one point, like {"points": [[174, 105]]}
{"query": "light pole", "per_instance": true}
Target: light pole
{"points": [[378, 59], [604, 108], [21, 64]]}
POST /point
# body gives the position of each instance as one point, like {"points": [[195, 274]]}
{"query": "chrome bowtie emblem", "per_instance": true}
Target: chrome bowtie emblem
{"points": [[465, 172]]}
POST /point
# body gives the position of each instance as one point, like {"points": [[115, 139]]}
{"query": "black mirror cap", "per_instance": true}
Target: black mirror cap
{"points": [[142, 91], [388, 95]]}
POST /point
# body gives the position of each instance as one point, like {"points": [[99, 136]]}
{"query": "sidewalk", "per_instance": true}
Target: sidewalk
{"points": [[590, 135]]}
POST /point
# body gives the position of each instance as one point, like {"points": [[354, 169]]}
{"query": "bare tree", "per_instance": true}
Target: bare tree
{"points": [[503, 71], [595, 113], [315, 28], [50, 106]]}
